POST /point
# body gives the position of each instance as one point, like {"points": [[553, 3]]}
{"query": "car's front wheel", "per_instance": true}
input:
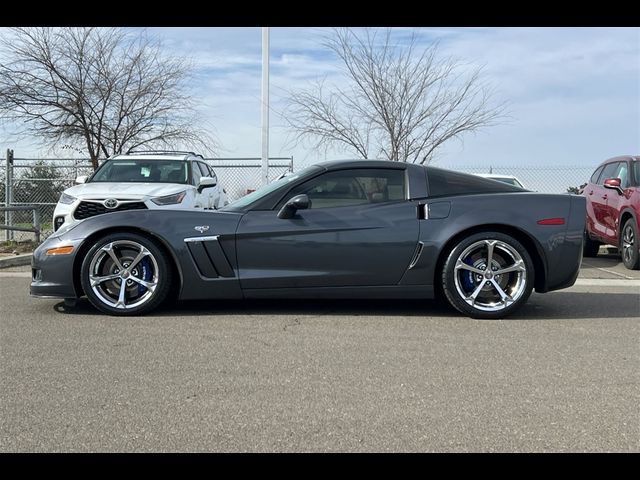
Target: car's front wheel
{"points": [[629, 245], [125, 274], [488, 275]]}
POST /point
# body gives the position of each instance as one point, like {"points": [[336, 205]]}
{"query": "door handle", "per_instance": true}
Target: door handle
{"points": [[604, 197], [591, 192]]}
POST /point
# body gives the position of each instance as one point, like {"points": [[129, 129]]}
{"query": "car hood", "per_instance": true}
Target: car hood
{"points": [[131, 191]]}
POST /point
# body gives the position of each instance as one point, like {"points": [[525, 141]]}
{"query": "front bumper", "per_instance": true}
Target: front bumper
{"points": [[52, 275]]}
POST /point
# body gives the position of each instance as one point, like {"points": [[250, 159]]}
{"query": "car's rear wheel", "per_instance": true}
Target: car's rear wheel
{"points": [[125, 274], [590, 247], [629, 245], [488, 275]]}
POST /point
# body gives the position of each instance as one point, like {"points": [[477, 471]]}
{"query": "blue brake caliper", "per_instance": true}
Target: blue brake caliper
{"points": [[467, 276], [146, 275]]}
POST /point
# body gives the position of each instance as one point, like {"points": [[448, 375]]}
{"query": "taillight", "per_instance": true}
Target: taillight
{"points": [[551, 221]]}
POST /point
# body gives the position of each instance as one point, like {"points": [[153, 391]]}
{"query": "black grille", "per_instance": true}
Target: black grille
{"points": [[90, 209], [57, 223]]}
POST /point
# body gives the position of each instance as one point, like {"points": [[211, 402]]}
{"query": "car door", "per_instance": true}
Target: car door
{"points": [[615, 199], [598, 196], [359, 230]]}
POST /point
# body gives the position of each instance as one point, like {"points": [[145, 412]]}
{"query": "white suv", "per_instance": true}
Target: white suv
{"points": [[140, 180], [508, 179]]}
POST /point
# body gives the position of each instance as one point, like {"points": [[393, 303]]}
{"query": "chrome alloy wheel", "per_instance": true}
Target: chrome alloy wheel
{"points": [[123, 274], [628, 243], [490, 275]]}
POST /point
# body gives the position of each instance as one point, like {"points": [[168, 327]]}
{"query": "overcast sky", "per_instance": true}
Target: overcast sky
{"points": [[573, 93]]}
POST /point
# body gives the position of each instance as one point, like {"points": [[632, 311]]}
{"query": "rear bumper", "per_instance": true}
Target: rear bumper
{"points": [[565, 256]]}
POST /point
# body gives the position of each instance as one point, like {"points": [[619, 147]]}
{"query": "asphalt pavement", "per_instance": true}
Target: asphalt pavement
{"points": [[562, 375]]}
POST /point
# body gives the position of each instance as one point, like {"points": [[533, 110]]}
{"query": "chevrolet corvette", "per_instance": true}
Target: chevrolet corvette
{"points": [[341, 229]]}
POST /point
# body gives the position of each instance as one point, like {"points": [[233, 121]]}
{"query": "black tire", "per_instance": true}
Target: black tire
{"points": [[459, 283], [105, 292], [629, 245], [590, 247]]}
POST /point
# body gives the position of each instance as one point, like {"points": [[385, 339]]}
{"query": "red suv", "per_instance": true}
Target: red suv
{"points": [[613, 209]]}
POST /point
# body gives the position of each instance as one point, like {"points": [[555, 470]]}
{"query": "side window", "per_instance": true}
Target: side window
{"points": [[635, 166], [195, 173], [204, 168], [352, 187], [207, 171], [596, 174], [608, 172], [622, 173]]}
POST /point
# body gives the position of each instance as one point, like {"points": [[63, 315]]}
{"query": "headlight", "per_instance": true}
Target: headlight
{"points": [[66, 199], [170, 199]]}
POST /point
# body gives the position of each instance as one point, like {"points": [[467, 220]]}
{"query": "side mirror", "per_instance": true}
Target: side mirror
{"points": [[206, 182], [299, 202], [613, 184], [81, 179]]}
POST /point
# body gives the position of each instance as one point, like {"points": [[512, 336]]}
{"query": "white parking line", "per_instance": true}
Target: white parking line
{"points": [[606, 282], [618, 274], [15, 274]]}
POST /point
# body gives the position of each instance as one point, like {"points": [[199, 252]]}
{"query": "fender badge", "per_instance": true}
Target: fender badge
{"points": [[201, 228]]}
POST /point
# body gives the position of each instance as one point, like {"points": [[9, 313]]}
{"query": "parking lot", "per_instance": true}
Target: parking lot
{"points": [[561, 375]]}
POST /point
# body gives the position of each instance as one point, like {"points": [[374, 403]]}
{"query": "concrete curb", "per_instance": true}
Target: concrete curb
{"points": [[16, 261]]}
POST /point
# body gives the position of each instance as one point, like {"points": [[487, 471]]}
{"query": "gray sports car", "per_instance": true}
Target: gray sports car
{"points": [[346, 229]]}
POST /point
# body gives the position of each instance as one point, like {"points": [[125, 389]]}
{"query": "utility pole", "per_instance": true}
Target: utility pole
{"points": [[265, 105]]}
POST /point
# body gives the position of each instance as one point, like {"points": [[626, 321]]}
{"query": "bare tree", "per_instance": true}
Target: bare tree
{"points": [[100, 89], [400, 102]]}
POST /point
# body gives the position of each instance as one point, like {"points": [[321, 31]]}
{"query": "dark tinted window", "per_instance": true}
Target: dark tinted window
{"points": [[445, 182], [608, 172], [596, 174], [353, 187]]}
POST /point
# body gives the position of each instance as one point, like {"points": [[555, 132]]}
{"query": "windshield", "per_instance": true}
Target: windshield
{"points": [[145, 171], [252, 197]]}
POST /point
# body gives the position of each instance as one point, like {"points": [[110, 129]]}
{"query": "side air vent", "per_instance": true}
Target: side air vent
{"points": [[209, 257]]}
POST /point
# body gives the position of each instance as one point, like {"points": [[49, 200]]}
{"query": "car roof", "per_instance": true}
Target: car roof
{"points": [[620, 158], [157, 155], [340, 164], [148, 157]]}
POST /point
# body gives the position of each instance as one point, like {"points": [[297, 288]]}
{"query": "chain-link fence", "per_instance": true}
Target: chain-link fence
{"points": [[40, 182]]}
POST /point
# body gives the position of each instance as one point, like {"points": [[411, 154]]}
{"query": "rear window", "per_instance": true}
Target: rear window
{"points": [[446, 182]]}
